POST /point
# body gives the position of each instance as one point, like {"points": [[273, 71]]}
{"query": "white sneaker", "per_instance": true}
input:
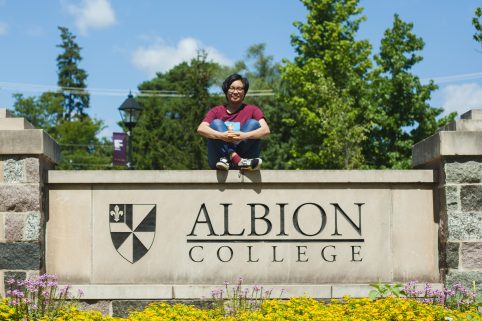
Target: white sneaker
{"points": [[250, 164], [223, 164]]}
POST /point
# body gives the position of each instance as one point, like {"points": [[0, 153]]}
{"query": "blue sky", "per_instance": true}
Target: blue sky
{"points": [[125, 42]]}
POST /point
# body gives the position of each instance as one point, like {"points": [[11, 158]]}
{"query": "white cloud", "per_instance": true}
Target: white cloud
{"points": [[461, 98], [3, 28], [91, 14], [160, 57]]}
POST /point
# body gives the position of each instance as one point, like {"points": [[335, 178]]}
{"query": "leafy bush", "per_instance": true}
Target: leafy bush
{"points": [[456, 297]]}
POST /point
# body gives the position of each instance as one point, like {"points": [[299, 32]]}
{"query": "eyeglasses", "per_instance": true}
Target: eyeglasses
{"points": [[238, 89]]}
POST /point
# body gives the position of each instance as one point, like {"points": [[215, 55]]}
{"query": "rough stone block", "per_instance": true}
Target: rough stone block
{"points": [[471, 197], [8, 276], [19, 256], [469, 172], [2, 227], [121, 308], [33, 274], [472, 255], [14, 171], [98, 305], [17, 275], [31, 230], [452, 251], [464, 278], [464, 226], [32, 170], [19, 197], [201, 304], [22, 226], [1, 171], [452, 197], [14, 226]]}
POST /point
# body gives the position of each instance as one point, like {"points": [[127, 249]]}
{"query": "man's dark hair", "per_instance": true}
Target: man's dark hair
{"points": [[232, 78]]}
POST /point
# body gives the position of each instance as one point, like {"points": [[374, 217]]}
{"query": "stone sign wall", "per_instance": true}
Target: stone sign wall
{"points": [[186, 232]]}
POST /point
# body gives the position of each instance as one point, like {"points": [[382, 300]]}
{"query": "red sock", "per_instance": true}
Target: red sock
{"points": [[235, 158]]}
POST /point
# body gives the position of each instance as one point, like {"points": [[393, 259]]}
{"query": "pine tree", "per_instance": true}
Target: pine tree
{"points": [[477, 25], [71, 78]]}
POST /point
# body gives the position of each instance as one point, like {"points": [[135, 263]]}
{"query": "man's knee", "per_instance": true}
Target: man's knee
{"points": [[250, 125], [218, 125]]}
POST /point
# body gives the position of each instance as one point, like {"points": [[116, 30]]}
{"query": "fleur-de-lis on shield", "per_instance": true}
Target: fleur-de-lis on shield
{"points": [[116, 213]]}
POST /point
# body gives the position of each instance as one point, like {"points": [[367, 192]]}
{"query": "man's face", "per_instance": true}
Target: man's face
{"points": [[235, 92]]}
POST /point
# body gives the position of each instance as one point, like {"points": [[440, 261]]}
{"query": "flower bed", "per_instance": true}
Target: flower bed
{"points": [[41, 300], [298, 309]]}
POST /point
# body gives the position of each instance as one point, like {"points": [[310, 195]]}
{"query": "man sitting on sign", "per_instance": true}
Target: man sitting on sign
{"points": [[234, 129]]}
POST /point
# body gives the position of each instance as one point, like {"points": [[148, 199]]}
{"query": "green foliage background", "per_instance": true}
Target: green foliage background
{"points": [[336, 105]]}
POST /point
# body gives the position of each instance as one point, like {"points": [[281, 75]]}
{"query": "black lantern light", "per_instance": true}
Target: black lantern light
{"points": [[130, 111]]}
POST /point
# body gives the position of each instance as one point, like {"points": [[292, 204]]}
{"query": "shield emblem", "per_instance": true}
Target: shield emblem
{"points": [[132, 229]]}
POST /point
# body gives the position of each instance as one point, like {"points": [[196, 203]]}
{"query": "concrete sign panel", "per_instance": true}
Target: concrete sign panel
{"points": [[164, 229]]}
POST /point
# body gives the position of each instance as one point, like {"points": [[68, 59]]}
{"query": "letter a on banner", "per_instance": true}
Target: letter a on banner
{"points": [[119, 156]]}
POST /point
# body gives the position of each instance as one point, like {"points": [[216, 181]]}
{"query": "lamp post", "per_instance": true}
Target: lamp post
{"points": [[130, 111]]}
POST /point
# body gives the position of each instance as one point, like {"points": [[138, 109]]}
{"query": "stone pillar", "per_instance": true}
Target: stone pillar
{"points": [[26, 154], [455, 152]]}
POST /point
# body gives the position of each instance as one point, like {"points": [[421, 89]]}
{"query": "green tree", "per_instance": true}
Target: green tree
{"points": [[165, 137], [325, 88], [478, 25], [71, 78], [402, 114], [80, 146], [45, 111]]}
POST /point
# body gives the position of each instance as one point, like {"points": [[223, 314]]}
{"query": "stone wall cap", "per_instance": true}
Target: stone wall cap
{"points": [[4, 113], [29, 142], [263, 176], [463, 125], [14, 124], [447, 143], [472, 114]]}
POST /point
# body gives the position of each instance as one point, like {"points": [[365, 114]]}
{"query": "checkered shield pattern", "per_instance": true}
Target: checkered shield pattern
{"points": [[132, 229]]}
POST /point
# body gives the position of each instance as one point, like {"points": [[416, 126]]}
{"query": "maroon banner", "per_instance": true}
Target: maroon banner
{"points": [[120, 149]]}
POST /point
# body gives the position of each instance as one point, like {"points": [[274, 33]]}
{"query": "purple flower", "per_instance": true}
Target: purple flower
{"points": [[11, 281], [64, 291], [52, 284]]}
